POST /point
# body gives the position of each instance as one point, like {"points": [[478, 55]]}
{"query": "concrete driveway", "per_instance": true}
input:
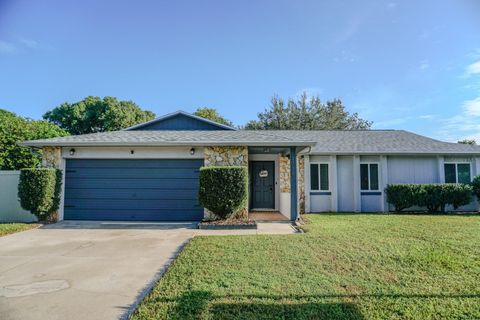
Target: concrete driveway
{"points": [[92, 270], [84, 270]]}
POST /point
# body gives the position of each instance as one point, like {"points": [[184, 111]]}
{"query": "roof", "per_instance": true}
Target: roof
{"points": [[176, 114], [172, 138], [377, 142], [322, 142]]}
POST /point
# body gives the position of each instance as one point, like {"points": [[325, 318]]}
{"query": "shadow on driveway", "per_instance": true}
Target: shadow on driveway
{"points": [[120, 225]]}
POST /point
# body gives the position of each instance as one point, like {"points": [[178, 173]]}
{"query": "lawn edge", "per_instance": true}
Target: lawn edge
{"points": [[37, 225], [153, 283]]}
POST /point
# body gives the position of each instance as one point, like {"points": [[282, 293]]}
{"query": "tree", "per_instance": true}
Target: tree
{"points": [[93, 114], [14, 129], [212, 114], [468, 141], [307, 114]]}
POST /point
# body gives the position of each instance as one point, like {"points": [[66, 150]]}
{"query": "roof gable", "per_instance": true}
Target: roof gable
{"points": [[180, 120]]}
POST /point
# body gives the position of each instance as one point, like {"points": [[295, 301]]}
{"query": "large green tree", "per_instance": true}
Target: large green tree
{"points": [[94, 114], [14, 129], [212, 114], [307, 114]]}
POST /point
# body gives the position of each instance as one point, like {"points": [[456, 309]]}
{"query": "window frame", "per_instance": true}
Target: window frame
{"points": [[319, 176], [456, 163], [368, 163]]}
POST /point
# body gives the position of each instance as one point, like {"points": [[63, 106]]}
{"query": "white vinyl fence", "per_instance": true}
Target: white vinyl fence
{"points": [[10, 209]]}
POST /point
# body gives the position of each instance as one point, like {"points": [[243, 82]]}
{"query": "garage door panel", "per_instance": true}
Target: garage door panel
{"points": [[159, 183], [136, 204], [140, 194], [151, 190], [120, 173], [132, 215], [124, 163]]}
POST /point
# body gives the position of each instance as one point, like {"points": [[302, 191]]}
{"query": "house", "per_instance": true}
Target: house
{"points": [[150, 171]]}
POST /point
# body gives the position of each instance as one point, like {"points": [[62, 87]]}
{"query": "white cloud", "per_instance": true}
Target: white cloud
{"points": [[473, 69], [7, 47], [472, 107], [427, 116], [424, 65], [30, 43]]}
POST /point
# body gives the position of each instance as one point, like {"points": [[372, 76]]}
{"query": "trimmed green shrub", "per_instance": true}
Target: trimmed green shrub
{"points": [[39, 191], [476, 186], [435, 197], [401, 196], [223, 190]]}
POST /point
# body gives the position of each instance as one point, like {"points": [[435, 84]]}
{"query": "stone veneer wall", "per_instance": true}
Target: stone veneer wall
{"points": [[285, 179], [227, 156], [51, 157]]}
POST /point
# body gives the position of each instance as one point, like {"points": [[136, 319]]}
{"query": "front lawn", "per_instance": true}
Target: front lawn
{"points": [[7, 228], [347, 266]]}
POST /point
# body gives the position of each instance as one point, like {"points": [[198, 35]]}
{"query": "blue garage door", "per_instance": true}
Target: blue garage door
{"points": [[142, 190]]}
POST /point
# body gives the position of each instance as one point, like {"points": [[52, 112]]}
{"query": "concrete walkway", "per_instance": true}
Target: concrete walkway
{"points": [[92, 270]]}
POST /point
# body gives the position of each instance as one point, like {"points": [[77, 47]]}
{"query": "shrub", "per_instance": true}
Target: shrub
{"points": [[401, 196], [39, 191], [476, 186], [223, 190], [435, 197]]}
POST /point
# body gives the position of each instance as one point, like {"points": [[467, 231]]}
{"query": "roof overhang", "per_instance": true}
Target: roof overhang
{"points": [[37, 144]]}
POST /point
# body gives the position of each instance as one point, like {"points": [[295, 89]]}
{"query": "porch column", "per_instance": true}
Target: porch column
{"points": [[293, 184]]}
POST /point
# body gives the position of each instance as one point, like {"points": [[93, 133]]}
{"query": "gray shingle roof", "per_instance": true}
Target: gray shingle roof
{"points": [[166, 138], [322, 142], [378, 141]]}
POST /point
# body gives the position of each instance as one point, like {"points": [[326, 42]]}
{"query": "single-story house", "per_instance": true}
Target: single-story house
{"points": [[150, 171]]}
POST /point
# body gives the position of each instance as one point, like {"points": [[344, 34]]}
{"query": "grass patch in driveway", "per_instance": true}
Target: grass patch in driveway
{"points": [[346, 266], [8, 228]]}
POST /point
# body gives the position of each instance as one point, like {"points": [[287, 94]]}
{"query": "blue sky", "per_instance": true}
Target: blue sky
{"points": [[411, 65]]}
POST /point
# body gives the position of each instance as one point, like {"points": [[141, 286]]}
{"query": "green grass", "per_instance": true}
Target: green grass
{"points": [[8, 228], [346, 266]]}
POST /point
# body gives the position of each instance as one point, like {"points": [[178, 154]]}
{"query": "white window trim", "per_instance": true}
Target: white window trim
{"points": [[369, 182], [319, 180], [456, 163]]}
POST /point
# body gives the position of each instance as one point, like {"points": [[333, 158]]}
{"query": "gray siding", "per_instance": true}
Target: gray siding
{"points": [[180, 122], [413, 170], [345, 184]]}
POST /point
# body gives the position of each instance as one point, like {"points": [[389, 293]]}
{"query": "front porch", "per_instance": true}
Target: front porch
{"points": [[267, 216]]}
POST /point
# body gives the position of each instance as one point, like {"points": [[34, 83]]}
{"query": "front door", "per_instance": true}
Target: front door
{"points": [[263, 184]]}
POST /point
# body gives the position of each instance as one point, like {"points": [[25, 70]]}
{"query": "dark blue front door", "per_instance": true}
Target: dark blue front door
{"points": [[148, 190], [263, 184]]}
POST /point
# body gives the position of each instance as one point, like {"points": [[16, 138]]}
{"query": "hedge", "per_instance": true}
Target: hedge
{"points": [[435, 197], [39, 191], [223, 190]]}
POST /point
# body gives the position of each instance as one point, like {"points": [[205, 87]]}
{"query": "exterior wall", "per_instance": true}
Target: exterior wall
{"points": [[51, 157], [345, 184], [138, 153], [10, 209], [344, 176], [413, 169], [285, 184], [227, 156], [181, 122]]}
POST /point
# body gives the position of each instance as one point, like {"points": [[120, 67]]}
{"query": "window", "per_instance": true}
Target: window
{"points": [[319, 176], [369, 176], [457, 172]]}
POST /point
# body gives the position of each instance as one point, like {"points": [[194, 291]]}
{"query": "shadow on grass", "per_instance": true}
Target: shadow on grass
{"points": [[194, 304]]}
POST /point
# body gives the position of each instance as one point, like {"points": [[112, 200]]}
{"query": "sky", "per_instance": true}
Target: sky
{"points": [[412, 65]]}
